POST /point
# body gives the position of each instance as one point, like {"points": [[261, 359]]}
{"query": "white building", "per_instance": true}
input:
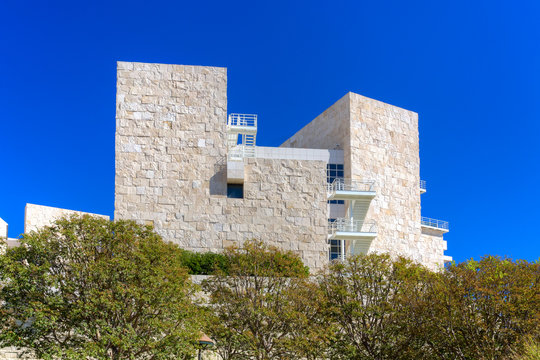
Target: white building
{"points": [[346, 183]]}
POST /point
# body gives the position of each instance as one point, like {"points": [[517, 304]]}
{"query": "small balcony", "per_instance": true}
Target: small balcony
{"points": [[347, 189], [434, 224], [241, 136], [242, 123], [423, 187], [350, 229]]}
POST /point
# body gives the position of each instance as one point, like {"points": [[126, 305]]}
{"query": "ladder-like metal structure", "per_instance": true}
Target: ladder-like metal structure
{"points": [[241, 136]]}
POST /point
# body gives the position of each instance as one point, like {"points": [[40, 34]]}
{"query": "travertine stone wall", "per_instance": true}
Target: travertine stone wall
{"points": [[380, 143], [171, 168], [329, 130], [37, 216], [432, 247], [11, 353], [385, 148]]}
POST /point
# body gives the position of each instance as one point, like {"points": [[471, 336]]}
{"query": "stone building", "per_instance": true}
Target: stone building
{"points": [[38, 216], [346, 183]]}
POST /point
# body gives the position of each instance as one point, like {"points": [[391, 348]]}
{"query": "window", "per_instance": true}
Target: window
{"points": [[235, 191], [335, 250], [335, 246], [333, 172]]}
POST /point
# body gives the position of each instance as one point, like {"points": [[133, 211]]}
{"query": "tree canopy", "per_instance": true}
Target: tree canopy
{"points": [[91, 288], [88, 288], [263, 308]]}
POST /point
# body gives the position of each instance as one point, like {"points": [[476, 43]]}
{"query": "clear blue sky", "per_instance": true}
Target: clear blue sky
{"points": [[471, 69]]}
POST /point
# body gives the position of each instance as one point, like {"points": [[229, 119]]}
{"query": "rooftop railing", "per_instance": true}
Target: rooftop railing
{"points": [[351, 185], [423, 185], [248, 120], [439, 224], [351, 225]]}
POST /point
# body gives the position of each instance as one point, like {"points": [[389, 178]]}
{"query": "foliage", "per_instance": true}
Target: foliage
{"points": [[480, 309], [263, 308], [209, 263], [90, 288], [367, 298], [204, 263], [529, 350], [394, 309]]}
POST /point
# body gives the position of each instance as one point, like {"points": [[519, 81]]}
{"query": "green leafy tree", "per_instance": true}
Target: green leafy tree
{"points": [[89, 288], [480, 309], [367, 299], [263, 307], [529, 349], [313, 331]]}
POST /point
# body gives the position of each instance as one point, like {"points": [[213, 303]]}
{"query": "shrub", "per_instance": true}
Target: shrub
{"points": [[204, 263], [209, 263]]}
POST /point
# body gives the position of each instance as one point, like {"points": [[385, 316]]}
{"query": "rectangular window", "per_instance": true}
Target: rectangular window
{"points": [[235, 191], [333, 172], [335, 246], [335, 250], [336, 202]]}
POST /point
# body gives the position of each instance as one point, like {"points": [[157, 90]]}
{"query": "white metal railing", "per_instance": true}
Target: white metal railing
{"points": [[240, 152], [351, 225], [439, 224], [350, 185], [423, 185], [247, 120]]}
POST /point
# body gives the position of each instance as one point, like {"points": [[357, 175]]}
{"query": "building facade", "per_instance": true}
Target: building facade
{"points": [[346, 183], [38, 216]]}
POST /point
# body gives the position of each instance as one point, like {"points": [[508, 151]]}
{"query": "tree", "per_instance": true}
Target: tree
{"points": [[367, 298], [481, 309], [91, 288], [262, 308]]}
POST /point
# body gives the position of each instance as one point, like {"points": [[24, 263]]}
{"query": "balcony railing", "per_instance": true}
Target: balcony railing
{"points": [[351, 225], [244, 120], [240, 152], [423, 185], [351, 185], [439, 224]]}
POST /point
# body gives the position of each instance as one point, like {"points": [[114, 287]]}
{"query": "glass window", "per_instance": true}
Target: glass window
{"points": [[333, 172], [235, 191], [335, 249]]}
